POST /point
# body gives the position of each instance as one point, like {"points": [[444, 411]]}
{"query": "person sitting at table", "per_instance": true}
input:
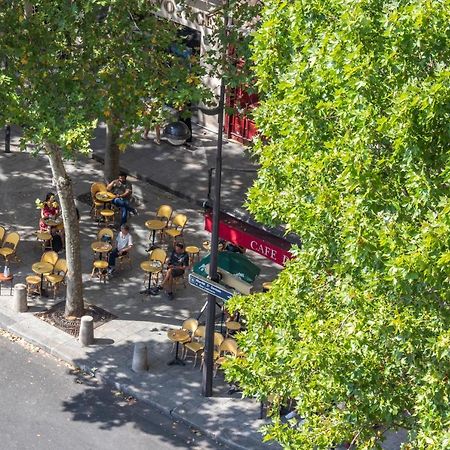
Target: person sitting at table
{"points": [[50, 210], [177, 263], [123, 191], [229, 246], [124, 243]]}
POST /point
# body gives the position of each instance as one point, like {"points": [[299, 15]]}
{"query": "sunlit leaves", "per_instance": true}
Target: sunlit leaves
{"points": [[355, 159]]}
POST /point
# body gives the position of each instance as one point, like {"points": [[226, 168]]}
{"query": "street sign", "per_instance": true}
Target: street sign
{"points": [[209, 286]]}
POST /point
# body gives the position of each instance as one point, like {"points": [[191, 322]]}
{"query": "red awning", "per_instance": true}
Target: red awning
{"points": [[250, 237]]}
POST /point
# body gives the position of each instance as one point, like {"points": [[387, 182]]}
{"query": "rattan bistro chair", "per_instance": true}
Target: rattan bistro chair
{"points": [[9, 247], [196, 345], [55, 279], [164, 212], [176, 228], [2, 234], [96, 205], [50, 257], [226, 349], [218, 339]]}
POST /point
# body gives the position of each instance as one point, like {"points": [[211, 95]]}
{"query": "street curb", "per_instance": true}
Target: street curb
{"points": [[109, 380]]}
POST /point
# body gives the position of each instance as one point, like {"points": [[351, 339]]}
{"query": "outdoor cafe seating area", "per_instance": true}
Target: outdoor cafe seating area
{"points": [[165, 227]]}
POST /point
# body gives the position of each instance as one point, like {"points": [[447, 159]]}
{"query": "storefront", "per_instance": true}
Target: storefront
{"points": [[239, 125], [253, 238], [198, 22]]}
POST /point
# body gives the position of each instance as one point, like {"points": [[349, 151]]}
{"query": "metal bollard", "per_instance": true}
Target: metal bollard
{"points": [[20, 298], [140, 358], [86, 336]]}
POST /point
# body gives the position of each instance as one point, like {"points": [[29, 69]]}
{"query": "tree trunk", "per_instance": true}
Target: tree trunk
{"points": [[74, 298], [112, 152], [28, 9]]}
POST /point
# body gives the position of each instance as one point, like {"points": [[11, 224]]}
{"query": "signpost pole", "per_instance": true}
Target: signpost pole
{"points": [[208, 366]]}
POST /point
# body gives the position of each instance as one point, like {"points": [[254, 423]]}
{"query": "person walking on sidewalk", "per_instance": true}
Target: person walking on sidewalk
{"points": [[124, 243], [123, 192], [177, 263]]}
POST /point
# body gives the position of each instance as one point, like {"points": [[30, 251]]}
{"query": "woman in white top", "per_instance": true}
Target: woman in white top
{"points": [[124, 242]]}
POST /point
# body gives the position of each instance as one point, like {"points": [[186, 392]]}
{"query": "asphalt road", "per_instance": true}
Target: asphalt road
{"points": [[45, 404]]}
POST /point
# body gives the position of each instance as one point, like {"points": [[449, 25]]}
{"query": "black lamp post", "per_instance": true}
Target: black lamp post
{"points": [[208, 366], [177, 133]]}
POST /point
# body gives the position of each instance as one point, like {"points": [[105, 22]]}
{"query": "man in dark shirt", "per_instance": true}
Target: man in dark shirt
{"points": [[177, 263], [123, 191]]}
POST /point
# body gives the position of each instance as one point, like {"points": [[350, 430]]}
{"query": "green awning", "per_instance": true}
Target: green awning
{"points": [[235, 263]]}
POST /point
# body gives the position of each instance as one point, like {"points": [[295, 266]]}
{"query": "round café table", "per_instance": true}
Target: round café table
{"points": [[53, 222], [154, 225], [151, 267], [105, 197], [42, 268], [101, 247], [177, 336], [4, 279]]}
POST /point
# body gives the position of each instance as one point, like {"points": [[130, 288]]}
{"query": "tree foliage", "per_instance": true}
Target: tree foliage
{"points": [[355, 113]]}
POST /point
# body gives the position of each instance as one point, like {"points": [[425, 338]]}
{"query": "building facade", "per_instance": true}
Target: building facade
{"points": [[198, 21]]}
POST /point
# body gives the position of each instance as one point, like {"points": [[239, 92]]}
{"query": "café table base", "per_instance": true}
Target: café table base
{"points": [[176, 362], [150, 291]]}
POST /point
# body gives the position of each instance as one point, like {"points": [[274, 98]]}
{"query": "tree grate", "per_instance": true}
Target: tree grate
{"points": [[55, 316]]}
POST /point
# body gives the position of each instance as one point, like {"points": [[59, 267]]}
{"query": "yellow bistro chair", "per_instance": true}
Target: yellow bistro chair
{"points": [[227, 348], [105, 232], [218, 339], [96, 205], [196, 345], [55, 279], [9, 247], [2, 234], [176, 228], [50, 257]]}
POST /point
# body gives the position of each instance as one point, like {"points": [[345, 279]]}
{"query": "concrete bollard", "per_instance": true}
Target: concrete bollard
{"points": [[140, 358], [20, 298], [86, 336]]}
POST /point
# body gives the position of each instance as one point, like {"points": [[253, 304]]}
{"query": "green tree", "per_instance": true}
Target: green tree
{"points": [[136, 72], [355, 117], [43, 79]]}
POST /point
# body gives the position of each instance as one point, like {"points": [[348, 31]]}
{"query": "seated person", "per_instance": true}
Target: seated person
{"points": [[49, 210], [123, 191], [232, 247], [177, 263], [124, 243]]}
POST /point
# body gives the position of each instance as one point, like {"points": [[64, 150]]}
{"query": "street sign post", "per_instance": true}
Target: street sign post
{"points": [[209, 286]]}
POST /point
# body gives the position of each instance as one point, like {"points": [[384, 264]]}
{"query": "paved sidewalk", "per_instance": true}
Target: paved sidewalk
{"points": [[175, 390], [184, 172]]}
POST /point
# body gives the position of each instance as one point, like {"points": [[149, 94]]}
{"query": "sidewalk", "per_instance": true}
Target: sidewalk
{"points": [[174, 390], [184, 172]]}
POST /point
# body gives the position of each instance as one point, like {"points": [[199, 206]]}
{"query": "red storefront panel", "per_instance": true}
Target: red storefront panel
{"points": [[238, 125], [252, 238]]}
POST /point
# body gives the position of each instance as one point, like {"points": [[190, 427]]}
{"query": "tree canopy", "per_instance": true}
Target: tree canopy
{"points": [[355, 158]]}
